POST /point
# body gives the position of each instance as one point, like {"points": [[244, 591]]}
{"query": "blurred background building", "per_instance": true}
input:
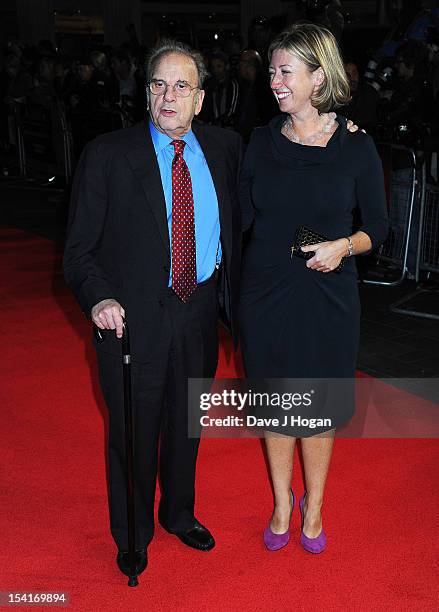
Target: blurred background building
{"points": [[75, 23]]}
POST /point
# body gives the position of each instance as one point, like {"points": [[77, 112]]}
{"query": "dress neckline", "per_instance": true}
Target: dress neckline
{"points": [[287, 148]]}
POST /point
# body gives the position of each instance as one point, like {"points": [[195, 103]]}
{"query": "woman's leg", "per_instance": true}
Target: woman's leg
{"points": [[316, 451], [280, 451]]}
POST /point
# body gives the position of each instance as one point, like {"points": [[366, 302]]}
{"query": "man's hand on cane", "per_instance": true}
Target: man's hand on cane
{"points": [[108, 314]]}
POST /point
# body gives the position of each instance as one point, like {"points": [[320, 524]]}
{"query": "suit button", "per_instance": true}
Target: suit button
{"points": [[161, 303]]}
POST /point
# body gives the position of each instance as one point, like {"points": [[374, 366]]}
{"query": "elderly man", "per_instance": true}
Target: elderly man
{"points": [[154, 236]]}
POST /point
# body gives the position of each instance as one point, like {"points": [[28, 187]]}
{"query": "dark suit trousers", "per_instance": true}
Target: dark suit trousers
{"points": [[188, 347]]}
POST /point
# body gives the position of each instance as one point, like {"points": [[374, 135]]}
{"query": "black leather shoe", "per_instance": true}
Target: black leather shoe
{"points": [[197, 537], [141, 559]]}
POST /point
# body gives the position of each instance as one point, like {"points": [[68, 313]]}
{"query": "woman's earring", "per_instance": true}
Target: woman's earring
{"points": [[320, 78]]}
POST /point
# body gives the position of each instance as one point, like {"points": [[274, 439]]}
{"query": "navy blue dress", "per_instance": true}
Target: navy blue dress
{"points": [[296, 322]]}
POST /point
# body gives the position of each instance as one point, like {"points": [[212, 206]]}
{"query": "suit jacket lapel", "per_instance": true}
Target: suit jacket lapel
{"points": [[143, 162], [214, 155]]}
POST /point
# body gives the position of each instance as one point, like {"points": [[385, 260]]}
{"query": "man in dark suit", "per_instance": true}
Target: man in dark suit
{"points": [[154, 236]]}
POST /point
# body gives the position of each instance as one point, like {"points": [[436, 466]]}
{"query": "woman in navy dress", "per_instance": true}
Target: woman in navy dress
{"points": [[300, 319]]}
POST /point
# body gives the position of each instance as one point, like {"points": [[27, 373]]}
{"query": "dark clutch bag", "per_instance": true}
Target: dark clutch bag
{"points": [[306, 236]]}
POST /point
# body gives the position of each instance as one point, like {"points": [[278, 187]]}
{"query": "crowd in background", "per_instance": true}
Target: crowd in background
{"points": [[94, 92], [394, 95]]}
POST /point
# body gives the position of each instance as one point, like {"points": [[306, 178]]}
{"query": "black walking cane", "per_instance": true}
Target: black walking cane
{"points": [[129, 449]]}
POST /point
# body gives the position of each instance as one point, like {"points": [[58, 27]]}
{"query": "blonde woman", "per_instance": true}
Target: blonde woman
{"points": [[299, 318]]}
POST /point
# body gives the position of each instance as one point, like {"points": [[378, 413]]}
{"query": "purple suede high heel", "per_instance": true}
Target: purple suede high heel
{"points": [[276, 541], [312, 545]]}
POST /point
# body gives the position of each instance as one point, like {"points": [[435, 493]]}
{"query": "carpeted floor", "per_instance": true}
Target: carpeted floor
{"points": [[380, 512]]}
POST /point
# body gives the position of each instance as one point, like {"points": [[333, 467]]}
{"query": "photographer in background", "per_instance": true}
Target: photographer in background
{"points": [[363, 106], [410, 106], [221, 95], [130, 85], [328, 14], [255, 104]]}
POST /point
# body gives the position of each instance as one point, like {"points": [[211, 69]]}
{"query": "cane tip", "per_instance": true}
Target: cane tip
{"points": [[132, 581]]}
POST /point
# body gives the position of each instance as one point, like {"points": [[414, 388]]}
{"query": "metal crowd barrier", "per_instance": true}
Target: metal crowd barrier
{"points": [[429, 238], [39, 153], [45, 142], [389, 264], [18, 110], [68, 147], [424, 301]]}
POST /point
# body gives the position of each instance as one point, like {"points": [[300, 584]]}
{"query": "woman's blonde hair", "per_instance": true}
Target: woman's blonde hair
{"points": [[316, 47]]}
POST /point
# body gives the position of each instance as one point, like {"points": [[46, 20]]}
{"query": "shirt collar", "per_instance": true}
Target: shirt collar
{"points": [[161, 141]]}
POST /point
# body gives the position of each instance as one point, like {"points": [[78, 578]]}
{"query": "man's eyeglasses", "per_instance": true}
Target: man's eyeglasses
{"points": [[182, 89]]}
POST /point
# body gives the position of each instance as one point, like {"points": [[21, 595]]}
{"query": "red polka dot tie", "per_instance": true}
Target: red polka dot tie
{"points": [[184, 264]]}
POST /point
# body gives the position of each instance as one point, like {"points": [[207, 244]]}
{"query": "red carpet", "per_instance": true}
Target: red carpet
{"points": [[380, 512]]}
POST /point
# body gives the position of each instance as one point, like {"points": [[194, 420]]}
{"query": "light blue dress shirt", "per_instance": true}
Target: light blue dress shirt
{"points": [[207, 225]]}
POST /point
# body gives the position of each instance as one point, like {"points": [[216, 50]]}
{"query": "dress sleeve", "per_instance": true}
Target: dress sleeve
{"points": [[245, 186], [371, 195]]}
